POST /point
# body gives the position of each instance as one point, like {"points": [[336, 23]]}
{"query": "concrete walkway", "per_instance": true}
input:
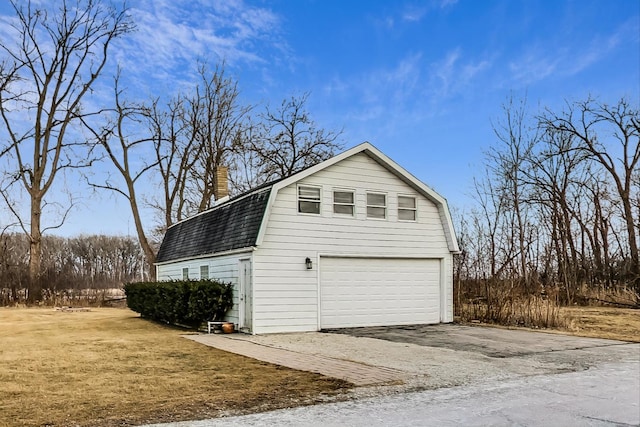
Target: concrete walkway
{"points": [[358, 374]]}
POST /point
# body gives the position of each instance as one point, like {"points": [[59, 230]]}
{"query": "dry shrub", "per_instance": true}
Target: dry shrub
{"points": [[507, 305]]}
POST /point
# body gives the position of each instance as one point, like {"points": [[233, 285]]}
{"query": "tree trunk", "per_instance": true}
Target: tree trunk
{"points": [[149, 254], [35, 249]]}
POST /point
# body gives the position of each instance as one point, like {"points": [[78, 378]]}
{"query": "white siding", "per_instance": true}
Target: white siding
{"points": [[224, 268], [286, 293]]}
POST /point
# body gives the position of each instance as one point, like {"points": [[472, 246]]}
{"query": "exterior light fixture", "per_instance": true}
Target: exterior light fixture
{"points": [[308, 263]]}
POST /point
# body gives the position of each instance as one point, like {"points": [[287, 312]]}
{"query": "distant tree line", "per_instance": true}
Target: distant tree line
{"points": [[558, 210], [69, 264]]}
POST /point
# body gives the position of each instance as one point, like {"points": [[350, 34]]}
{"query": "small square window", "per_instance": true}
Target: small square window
{"points": [[309, 200], [376, 205], [185, 273], [343, 202], [204, 272], [407, 208]]}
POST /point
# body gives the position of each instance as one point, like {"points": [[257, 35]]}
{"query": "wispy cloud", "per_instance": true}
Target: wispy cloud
{"points": [[532, 66], [565, 59], [447, 3], [393, 85], [411, 90], [173, 35], [414, 13], [452, 74]]}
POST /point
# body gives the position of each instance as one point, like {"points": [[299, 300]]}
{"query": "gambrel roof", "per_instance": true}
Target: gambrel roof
{"points": [[241, 222], [231, 225]]}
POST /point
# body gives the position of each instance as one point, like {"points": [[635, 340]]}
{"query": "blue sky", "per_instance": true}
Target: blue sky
{"points": [[421, 80]]}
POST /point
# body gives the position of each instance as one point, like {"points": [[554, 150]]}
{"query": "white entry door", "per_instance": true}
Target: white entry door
{"points": [[378, 291], [246, 296]]}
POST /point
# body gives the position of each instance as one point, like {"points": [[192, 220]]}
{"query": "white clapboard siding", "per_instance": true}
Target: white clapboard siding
{"points": [[224, 268], [291, 237]]}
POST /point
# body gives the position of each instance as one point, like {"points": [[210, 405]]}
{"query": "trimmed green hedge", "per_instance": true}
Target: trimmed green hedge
{"points": [[180, 302]]}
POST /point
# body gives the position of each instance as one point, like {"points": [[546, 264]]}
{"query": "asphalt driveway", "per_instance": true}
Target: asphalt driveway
{"points": [[492, 342]]}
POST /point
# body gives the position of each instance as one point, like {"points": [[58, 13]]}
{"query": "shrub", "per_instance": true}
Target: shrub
{"points": [[180, 302], [502, 303]]}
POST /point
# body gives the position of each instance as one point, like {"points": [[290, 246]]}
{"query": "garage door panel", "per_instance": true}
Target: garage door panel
{"points": [[382, 291]]}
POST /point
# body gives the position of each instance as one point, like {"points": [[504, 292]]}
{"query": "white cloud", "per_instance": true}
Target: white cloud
{"points": [[414, 14], [447, 3], [410, 91], [452, 74], [533, 66], [565, 59], [445, 72], [394, 85], [173, 35]]}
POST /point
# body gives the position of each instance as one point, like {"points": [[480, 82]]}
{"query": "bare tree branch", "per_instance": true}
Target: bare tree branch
{"points": [[48, 69]]}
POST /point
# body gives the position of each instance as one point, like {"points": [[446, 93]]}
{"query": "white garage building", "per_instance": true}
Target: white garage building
{"points": [[353, 241]]}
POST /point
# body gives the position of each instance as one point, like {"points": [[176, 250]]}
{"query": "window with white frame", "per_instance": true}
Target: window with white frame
{"points": [[343, 202], [204, 272], [309, 199], [407, 208], [376, 205], [185, 273]]}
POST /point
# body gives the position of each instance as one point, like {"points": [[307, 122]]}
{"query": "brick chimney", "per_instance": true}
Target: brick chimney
{"points": [[221, 186]]}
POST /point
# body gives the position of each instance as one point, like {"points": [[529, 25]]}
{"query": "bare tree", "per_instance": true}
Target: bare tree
{"points": [[194, 136], [120, 138], [558, 209], [214, 118], [174, 159], [287, 142], [610, 136], [47, 71], [509, 160]]}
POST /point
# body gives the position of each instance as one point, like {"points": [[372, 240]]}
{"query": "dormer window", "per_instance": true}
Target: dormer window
{"points": [[309, 199]]}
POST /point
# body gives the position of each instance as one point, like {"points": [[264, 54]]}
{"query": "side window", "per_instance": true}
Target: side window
{"points": [[406, 208], [376, 205], [343, 202], [309, 200], [185, 273], [204, 272]]}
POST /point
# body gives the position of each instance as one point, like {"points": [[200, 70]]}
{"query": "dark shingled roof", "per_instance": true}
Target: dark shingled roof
{"points": [[232, 225]]}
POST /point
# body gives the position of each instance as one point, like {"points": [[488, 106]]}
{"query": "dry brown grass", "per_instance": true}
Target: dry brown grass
{"points": [[108, 367], [528, 311], [604, 322]]}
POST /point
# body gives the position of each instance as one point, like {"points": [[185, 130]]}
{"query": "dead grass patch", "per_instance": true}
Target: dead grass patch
{"points": [[109, 367], [604, 322], [593, 322]]}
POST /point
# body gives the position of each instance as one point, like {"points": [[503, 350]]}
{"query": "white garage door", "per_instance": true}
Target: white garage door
{"points": [[378, 291]]}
